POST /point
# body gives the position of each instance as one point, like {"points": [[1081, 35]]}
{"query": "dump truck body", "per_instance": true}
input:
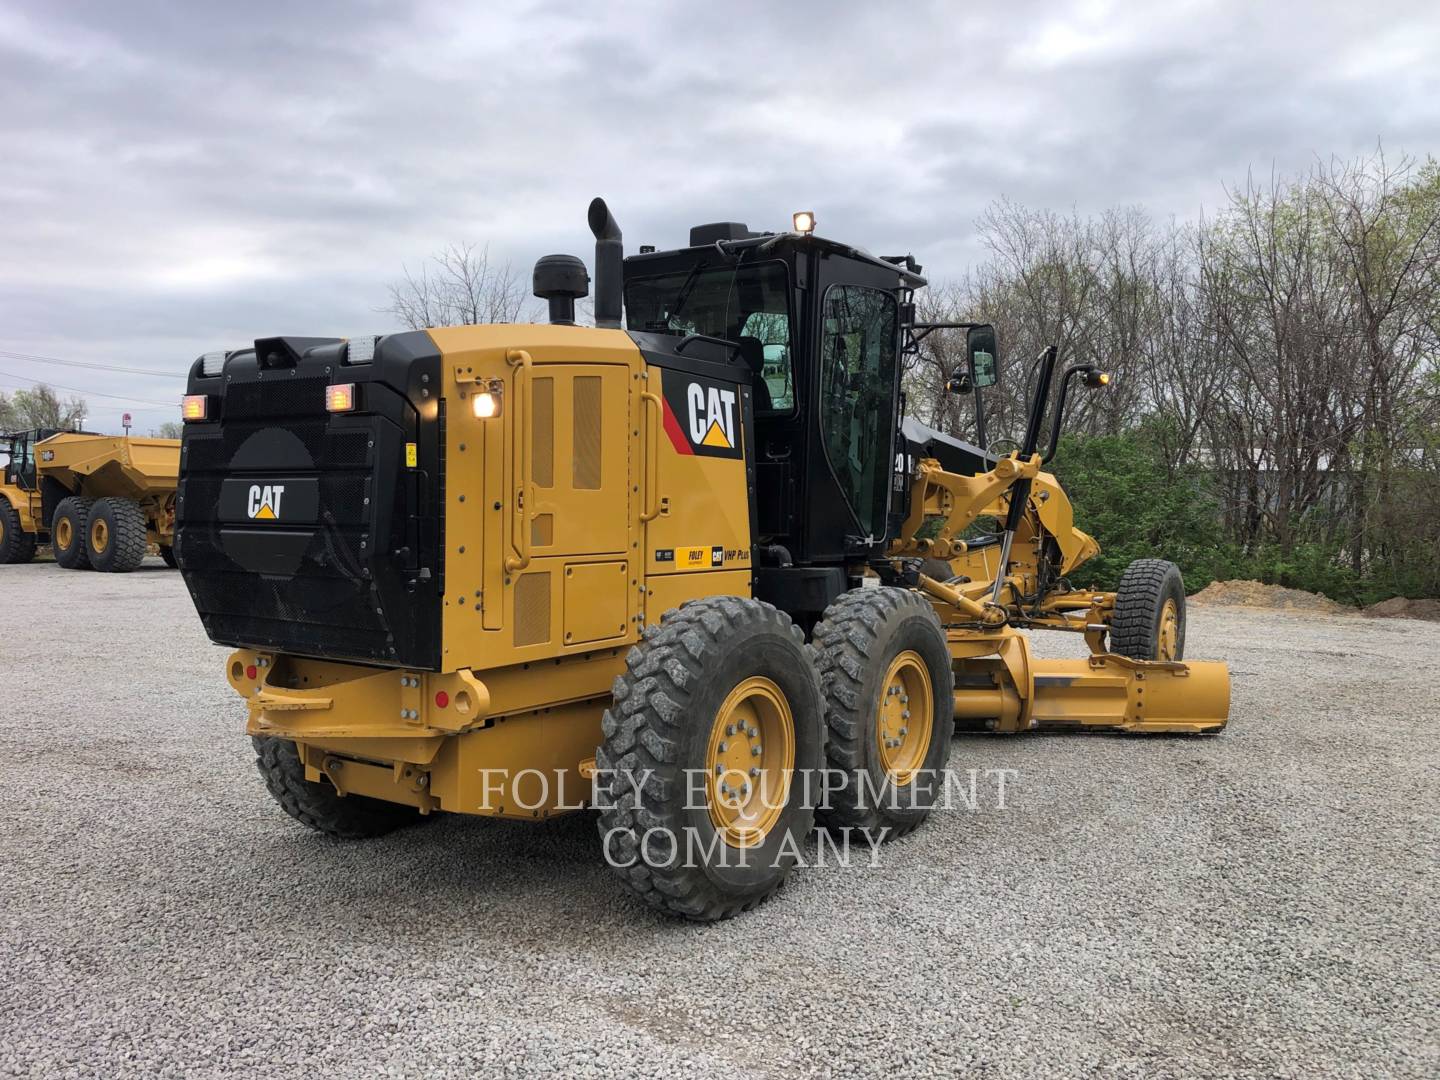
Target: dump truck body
{"points": [[98, 500]]}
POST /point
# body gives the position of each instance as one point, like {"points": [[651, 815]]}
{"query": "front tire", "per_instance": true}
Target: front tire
{"points": [[319, 806], [16, 545], [115, 536], [1149, 618], [67, 532], [712, 749], [890, 706]]}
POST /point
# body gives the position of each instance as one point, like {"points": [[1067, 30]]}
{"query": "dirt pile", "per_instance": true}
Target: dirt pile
{"points": [[1259, 595], [1398, 607]]}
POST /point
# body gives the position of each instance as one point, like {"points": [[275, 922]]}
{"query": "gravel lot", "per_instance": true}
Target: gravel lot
{"points": [[1260, 903]]}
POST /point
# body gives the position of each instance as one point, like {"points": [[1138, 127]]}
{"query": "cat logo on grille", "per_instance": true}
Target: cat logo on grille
{"points": [[264, 504]]}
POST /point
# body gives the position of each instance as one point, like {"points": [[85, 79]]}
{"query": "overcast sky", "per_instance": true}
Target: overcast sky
{"points": [[182, 177]]}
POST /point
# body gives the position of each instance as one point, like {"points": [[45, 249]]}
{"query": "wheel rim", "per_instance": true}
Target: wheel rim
{"points": [[905, 718], [749, 761], [64, 534], [99, 535], [1168, 642]]}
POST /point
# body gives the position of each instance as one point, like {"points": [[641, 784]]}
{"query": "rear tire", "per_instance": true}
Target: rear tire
{"points": [[16, 545], [68, 530], [721, 683], [319, 806], [167, 552], [115, 539], [890, 707], [1149, 618]]}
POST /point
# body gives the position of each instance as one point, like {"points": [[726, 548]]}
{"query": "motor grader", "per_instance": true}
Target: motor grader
{"points": [[99, 501], [675, 566]]}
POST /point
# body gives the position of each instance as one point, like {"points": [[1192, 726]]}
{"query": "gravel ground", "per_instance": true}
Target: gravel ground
{"points": [[1259, 903]]}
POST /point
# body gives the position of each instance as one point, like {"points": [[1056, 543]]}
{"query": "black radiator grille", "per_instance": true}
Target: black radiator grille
{"points": [[344, 572]]}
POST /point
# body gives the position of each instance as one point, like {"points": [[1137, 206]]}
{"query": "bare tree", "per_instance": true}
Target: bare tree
{"points": [[458, 286], [41, 407]]}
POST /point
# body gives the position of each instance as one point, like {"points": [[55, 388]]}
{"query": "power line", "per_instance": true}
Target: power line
{"points": [[88, 393], [34, 359]]}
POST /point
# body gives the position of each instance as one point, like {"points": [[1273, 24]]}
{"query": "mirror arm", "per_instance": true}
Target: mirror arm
{"points": [[1055, 424], [1037, 404]]}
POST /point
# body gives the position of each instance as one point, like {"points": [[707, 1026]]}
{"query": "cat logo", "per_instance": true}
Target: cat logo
{"points": [[264, 504], [702, 416], [712, 415]]}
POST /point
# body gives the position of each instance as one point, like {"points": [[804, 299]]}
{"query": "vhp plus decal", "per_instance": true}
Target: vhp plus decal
{"points": [[702, 416]]}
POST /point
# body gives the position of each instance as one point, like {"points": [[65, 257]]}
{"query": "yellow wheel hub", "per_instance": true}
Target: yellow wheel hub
{"points": [[1169, 638], [905, 719], [749, 761], [99, 535], [64, 534]]}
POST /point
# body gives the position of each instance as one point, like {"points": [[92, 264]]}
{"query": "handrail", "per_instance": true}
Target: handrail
{"points": [[652, 457], [520, 428]]}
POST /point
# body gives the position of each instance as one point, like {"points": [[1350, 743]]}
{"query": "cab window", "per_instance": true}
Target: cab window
{"points": [[857, 397], [748, 304]]}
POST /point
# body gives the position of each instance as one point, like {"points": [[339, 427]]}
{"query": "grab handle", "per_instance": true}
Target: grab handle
{"points": [[652, 457], [524, 497]]}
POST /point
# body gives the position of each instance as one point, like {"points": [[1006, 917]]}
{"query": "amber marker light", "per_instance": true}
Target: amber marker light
{"points": [[194, 406], [340, 397]]}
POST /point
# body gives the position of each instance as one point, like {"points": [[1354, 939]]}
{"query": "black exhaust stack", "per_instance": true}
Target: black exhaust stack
{"points": [[609, 265]]}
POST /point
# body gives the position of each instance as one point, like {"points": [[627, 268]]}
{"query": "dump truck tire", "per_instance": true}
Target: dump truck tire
{"points": [[167, 553], [318, 805], [16, 545], [1149, 618], [717, 665], [67, 532], [115, 536], [889, 689]]}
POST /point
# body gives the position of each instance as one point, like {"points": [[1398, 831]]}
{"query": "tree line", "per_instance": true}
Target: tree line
{"points": [[39, 407], [1275, 404]]}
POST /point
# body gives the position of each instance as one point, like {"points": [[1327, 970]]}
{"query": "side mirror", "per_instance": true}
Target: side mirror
{"points": [[984, 356]]}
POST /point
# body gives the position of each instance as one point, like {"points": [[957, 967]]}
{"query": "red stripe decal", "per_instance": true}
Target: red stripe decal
{"points": [[673, 429]]}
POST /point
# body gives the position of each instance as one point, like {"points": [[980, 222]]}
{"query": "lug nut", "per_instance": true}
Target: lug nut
{"points": [[729, 729], [754, 751], [904, 731], [724, 746], [905, 714], [754, 770], [753, 732], [719, 770]]}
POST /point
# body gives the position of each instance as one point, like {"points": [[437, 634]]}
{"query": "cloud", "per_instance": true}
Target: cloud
{"points": [[178, 178]]}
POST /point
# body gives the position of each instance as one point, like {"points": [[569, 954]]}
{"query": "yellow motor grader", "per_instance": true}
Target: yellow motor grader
{"points": [[675, 566], [99, 501]]}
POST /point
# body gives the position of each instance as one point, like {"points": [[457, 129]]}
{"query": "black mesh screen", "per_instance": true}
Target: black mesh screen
{"points": [[343, 585]]}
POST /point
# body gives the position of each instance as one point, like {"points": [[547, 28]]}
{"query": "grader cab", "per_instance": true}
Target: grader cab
{"points": [[690, 566]]}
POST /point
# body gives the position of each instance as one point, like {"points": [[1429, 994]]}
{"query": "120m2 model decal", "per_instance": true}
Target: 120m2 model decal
{"points": [[702, 416]]}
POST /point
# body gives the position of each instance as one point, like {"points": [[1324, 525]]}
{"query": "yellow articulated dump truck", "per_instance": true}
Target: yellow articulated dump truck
{"points": [[99, 501], [691, 567]]}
